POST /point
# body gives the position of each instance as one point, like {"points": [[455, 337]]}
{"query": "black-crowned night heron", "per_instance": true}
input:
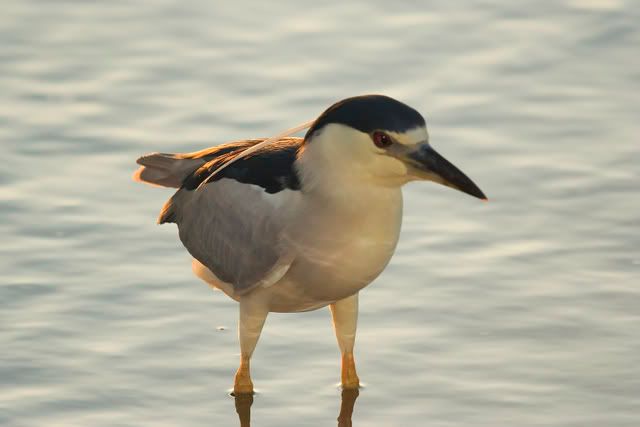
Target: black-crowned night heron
{"points": [[295, 224]]}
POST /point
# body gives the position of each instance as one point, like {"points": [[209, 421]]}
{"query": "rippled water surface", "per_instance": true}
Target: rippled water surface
{"points": [[521, 312]]}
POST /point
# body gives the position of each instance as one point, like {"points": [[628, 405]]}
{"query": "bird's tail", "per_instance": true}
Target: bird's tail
{"points": [[165, 170]]}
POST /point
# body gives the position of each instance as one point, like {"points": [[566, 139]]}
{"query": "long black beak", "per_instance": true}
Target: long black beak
{"points": [[428, 164]]}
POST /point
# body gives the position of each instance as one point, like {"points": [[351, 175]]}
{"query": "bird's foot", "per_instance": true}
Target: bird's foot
{"points": [[242, 386], [350, 378], [242, 383]]}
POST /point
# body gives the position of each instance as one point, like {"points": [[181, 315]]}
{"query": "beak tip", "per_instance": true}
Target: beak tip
{"points": [[476, 192]]}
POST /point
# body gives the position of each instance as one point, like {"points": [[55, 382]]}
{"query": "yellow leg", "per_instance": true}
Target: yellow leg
{"points": [[350, 378], [345, 320], [243, 383], [252, 316]]}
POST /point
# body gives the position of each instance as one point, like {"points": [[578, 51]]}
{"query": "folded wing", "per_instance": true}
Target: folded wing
{"points": [[235, 224]]}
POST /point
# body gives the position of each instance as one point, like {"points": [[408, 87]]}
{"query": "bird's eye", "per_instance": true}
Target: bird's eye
{"points": [[381, 139]]}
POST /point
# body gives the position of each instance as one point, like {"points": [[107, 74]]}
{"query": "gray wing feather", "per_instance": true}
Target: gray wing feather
{"points": [[235, 231]]}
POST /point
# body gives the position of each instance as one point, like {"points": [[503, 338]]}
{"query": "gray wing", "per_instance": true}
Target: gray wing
{"points": [[235, 230]]}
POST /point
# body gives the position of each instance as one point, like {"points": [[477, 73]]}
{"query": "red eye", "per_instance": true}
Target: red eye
{"points": [[381, 139]]}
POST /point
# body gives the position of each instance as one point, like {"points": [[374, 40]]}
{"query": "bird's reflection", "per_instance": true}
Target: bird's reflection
{"points": [[243, 408], [244, 402], [346, 407]]}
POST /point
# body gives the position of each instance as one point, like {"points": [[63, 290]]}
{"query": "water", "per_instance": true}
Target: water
{"points": [[523, 311]]}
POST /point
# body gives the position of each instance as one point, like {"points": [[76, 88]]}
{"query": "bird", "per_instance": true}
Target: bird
{"points": [[293, 224]]}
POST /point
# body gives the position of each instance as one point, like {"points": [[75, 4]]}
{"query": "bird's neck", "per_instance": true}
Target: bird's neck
{"points": [[350, 226], [342, 185]]}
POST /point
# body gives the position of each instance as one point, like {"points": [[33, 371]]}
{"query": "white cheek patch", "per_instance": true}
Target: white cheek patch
{"points": [[389, 169]]}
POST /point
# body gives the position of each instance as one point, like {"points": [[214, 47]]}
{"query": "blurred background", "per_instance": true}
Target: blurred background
{"points": [[523, 311]]}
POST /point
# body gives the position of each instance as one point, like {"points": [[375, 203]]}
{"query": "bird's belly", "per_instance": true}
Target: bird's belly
{"points": [[321, 276], [310, 284], [337, 251], [330, 268]]}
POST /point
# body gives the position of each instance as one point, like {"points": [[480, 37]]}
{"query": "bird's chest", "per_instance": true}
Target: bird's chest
{"points": [[342, 248]]}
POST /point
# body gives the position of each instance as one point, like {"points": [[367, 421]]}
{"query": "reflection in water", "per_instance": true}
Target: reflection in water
{"points": [[346, 407], [243, 408], [244, 402]]}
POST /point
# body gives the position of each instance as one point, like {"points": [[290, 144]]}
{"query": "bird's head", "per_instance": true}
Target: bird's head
{"points": [[379, 139]]}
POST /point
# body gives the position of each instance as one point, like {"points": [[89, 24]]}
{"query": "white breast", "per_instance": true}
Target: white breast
{"points": [[339, 248]]}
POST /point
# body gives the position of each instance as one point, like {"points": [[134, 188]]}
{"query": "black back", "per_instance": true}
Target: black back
{"points": [[367, 113], [270, 167]]}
